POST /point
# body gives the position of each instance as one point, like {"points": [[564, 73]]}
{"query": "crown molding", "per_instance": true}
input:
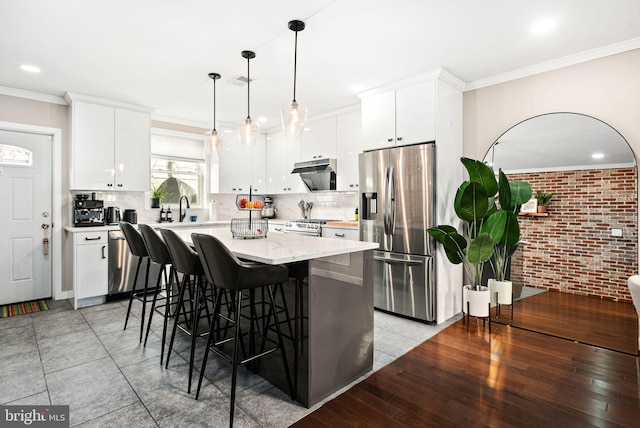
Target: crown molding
{"points": [[556, 64], [439, 73], [71, 96], [36, 96], [178, 121]]}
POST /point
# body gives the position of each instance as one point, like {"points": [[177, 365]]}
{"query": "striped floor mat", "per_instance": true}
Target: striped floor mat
{"points": [[23, 308]]}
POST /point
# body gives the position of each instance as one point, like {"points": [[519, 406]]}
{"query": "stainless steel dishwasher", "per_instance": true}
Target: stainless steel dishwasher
{"points": [[122, 266]]}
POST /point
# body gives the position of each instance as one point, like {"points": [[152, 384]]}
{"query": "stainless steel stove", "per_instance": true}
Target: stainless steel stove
{"points": [[310, 226]]}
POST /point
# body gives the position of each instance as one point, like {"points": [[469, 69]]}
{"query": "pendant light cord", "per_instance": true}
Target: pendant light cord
{"points": [[248, 87], [295, 66], [214, 104]]}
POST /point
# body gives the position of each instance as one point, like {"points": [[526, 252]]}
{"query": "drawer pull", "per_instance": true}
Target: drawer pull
{"points": [[93, 239], [340, 235]]}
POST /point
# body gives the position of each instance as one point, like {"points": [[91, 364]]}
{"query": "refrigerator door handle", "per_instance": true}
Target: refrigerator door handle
{"points": [[400, 262], [385, 214], [392, 201]]}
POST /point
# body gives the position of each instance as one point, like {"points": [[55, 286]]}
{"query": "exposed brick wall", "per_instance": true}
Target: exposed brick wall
{"points": [[572, 249]]}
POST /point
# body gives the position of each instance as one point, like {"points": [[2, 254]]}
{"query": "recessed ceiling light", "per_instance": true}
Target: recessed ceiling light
{"points": [[30, 68], [597, 155], [543, 26]]}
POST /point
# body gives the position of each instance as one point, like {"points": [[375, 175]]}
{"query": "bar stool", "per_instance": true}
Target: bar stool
{"points": [[229, 273], [186, 261], [158, 253], [137, 248]]}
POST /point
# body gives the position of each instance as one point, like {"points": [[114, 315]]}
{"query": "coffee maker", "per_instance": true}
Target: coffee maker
{"points": [[87, 212]]}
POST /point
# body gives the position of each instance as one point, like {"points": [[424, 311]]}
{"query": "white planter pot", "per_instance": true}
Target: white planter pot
{"points": [[504, 290], [478, 301]]}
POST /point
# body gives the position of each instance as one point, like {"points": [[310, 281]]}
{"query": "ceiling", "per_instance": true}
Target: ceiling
{"points": [[158, 53]]}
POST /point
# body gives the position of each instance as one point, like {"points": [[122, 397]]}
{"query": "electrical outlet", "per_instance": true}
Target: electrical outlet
{"points": [[616, 232]]}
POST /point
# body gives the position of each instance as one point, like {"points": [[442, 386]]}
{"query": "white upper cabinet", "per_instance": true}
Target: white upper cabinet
{"points": [[416, 114], [402, 116], [319, 138], [109, 145], [349, 145], [379, 120], [282, 153], [132, 150]]}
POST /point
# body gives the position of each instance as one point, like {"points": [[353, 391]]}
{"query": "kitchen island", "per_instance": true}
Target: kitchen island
{"points": [[337, 345]]}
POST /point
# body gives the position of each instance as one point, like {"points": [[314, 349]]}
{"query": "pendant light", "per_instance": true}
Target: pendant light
{"points": [[293, 114], [249, 129], [212, 138]]}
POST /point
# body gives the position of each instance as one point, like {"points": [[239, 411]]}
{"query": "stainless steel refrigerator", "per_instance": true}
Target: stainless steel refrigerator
{"points": [[397, 206]]}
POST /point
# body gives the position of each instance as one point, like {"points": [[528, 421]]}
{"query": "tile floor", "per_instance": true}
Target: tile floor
{"points": [[84, 359]]}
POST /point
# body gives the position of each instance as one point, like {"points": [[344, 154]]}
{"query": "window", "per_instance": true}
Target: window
{"points": [[178, 166], [12, 155]]}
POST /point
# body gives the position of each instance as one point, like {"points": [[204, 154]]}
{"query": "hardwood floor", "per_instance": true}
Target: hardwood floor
{"points": [[590, 320], [514, 377]]}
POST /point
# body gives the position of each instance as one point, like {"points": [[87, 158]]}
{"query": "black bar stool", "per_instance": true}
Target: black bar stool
{"points": [[229, 273], [158, 253], [137, 248], [186, 261]]}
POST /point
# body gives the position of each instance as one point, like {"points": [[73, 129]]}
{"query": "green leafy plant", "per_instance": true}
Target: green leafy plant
{"points": [[543, 198], [490, 229], [158, 193], [511, 197]]}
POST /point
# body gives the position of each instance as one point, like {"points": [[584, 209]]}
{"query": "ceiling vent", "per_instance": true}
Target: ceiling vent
{"points": [[239, 80]]}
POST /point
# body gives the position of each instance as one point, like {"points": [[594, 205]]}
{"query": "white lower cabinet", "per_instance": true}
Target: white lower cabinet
{"points": [[90, 265], [340, 233]]}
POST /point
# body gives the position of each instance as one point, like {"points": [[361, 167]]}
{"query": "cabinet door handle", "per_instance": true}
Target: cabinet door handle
{"points": [[399, 138], [103, 248], [389, 140], [93, 239], [119, 184], [340, 235], [278, 229], [109, 184]]}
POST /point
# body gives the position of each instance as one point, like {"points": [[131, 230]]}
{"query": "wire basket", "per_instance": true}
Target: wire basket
{"points": [[249, 228], [249, 202]]}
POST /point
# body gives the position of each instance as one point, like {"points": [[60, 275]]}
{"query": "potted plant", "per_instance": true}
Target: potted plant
{"points": [[511, 197], [474, 204], [543, 200], [156, 195]]}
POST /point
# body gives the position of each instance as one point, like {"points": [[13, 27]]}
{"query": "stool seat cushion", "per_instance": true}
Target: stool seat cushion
{"points": [[227, 271]]}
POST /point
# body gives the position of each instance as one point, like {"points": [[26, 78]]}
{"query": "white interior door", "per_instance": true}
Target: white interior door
{"points": [[25, 194]]}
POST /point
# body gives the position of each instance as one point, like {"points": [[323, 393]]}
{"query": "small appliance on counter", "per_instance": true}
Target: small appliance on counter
{"points": [[130, 216], [268, 211], [87, 212], [112, 215]]}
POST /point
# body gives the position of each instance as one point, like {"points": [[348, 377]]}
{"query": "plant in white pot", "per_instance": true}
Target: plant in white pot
{"points": [[475, 205], [511, 196]]}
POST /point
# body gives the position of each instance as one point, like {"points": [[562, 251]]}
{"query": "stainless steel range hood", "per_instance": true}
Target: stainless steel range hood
{"points": [[317, 174]]}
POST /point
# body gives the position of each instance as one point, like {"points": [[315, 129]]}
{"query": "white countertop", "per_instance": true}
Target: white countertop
{"points": [[279, 248], [172, 225]]}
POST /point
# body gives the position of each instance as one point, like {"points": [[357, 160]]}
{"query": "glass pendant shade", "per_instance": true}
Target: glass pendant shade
{"points": [[293, 117], [248, 131], [212, 142]]}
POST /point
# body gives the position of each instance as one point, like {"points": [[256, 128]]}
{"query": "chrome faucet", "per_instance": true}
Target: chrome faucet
{"points": [[181, 214]]}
